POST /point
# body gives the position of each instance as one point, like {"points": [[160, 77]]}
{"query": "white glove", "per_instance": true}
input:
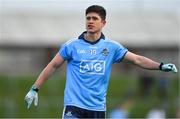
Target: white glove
{"points": [[32, 95], [168, 67]]}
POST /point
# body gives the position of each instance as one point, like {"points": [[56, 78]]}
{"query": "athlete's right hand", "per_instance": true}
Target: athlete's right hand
{"points": [[32, 95]]}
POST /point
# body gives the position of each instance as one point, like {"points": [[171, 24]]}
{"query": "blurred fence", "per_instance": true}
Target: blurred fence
{"points": [[32, 33]]}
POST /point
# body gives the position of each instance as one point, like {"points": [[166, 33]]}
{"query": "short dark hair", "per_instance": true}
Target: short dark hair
{"points": [[97, 9]]}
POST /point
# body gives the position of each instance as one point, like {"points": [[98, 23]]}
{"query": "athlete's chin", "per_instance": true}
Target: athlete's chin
{"points": [[92, 31]]}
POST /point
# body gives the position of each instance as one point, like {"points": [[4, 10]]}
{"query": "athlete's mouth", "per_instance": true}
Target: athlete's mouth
{"points": [[90, 26]]}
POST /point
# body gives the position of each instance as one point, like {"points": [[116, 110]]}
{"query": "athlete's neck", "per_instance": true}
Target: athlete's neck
{"points": [[92, 37]]}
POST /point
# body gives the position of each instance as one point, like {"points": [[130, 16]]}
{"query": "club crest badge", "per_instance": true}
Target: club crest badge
{"points": [[105, 52]]}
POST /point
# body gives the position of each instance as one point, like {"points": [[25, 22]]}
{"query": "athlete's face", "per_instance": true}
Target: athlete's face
{"points": [[94, 23]]}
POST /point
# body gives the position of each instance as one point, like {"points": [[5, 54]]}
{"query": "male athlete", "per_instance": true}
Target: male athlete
{"points": [[89, 59]]}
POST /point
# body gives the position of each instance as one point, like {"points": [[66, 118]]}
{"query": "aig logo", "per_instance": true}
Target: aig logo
{"points": [[92, 67]]}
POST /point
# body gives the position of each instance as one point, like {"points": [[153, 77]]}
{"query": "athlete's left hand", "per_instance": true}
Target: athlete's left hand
{"points": [[168, 67]]}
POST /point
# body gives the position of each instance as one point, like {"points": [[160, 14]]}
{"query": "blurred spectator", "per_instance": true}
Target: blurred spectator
{"points": [[119, 112], [145, 85], [122, 110], [156, 113], [162, 87]]}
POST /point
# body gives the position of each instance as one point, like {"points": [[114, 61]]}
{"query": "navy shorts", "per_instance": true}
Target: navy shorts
{"points": [[76, 112]]}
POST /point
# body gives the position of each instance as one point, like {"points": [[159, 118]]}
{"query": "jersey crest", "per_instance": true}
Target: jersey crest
{"points": [[105, 52]]}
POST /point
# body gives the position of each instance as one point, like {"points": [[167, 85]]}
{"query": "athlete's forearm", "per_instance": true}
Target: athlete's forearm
{"points": [[141, 61], [56, 62], [146, 63], [45, 74]]}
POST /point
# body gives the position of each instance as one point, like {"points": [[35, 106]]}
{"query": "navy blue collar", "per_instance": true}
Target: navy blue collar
{"points": [[82, 37]]}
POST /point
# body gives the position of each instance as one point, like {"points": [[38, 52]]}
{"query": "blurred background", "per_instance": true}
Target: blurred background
{"points": [[32, 31]]}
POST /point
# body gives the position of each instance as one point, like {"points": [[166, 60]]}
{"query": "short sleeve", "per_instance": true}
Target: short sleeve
{"points": [[65, 51], [120, 52]]}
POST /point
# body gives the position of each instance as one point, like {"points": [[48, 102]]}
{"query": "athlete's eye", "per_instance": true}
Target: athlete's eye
{"points": [[93, 18], [88, 18]]}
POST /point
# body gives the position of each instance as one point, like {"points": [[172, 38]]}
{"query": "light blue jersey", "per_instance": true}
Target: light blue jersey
{"points": [[88, 71]]}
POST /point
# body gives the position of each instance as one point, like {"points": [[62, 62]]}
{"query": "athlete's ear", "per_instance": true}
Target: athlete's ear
{"points": [[103, 23]]}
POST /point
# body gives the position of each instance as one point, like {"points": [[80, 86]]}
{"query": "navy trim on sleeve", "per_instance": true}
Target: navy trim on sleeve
{"points": [[123, 56]]}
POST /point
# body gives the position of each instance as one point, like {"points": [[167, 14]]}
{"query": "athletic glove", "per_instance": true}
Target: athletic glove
{"points": [[168, 67], [32, 95]]}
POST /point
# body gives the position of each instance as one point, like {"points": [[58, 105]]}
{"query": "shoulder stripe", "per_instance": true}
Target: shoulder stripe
{"points": [[70, 41], [112, 41]]}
